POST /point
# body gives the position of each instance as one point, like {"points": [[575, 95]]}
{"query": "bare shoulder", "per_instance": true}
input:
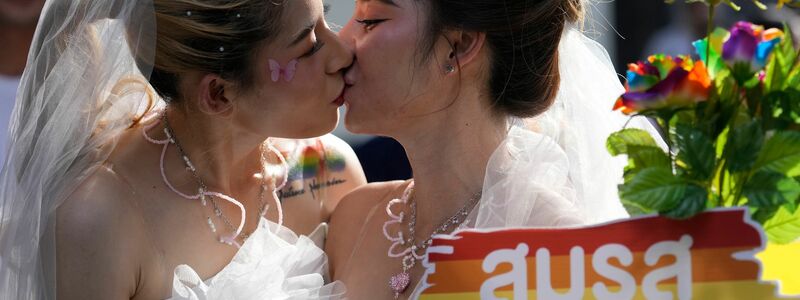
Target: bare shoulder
{"points": [[352, 215], [350, 171], [98, 237], [325, 166], [335, 143], [358, 202]]}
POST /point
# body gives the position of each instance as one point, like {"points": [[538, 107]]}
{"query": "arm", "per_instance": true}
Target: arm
{"points": [[96, 240]]}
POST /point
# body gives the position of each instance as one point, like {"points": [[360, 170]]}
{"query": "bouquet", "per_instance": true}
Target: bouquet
{"points": [[730, 118]]}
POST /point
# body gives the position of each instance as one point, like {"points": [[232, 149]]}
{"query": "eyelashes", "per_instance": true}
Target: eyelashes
{"points": [[370, 24], [315, 47]]}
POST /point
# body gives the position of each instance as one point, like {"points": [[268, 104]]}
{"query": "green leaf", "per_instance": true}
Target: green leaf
{"points": [[775, 74], [764, 214], [781, 153], [790, 189], [783, 227], [744, 143], [642, 157], [785, 50], [695, 151], [762, 190], [793, 79], [722, 140], [654, 189], [792, 106], [634, 210], [781, 109], [619, 141], [693, 203]]}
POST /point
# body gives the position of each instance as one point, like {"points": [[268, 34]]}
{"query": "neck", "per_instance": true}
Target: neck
{"points": [[449, 152], [14, 52], [225, 158]]}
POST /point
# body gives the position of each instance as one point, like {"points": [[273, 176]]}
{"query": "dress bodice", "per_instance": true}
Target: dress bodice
{"points": [[273, 263]]}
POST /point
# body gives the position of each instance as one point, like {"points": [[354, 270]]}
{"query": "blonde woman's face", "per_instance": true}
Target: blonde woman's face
{"points": [[299, 77]]}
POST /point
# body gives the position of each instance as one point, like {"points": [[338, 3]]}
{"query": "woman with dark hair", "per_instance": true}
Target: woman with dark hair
{"points": [[502, 106], [120, 184]]}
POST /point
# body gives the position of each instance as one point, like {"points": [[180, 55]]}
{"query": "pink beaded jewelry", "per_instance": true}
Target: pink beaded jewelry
{"points": [[412, 252], [205, 196]]}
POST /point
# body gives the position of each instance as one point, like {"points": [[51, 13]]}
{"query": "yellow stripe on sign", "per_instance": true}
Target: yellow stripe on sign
{"points": [[782, 263], [729, 290]]}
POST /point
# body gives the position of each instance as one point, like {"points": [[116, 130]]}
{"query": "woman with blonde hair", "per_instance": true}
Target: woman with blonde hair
{"points": [[141, 163]]}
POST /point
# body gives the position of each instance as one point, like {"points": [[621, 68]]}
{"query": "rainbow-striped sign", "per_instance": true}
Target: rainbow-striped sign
{"points": [[710, 256]]}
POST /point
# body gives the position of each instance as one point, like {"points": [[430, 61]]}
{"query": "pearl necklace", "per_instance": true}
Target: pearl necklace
{"points": [[414, 252], [205, 196]]}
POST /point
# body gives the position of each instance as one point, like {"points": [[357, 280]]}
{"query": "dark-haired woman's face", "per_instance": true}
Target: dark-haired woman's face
{"points": [[391, 82], [299, 77]]}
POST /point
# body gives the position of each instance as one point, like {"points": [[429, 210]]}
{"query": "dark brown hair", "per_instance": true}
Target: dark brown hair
{"points": [[213, 36], [523, 37]]}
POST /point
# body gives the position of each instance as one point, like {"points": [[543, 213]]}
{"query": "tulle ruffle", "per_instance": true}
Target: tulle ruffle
{"points": [[272, 264]]}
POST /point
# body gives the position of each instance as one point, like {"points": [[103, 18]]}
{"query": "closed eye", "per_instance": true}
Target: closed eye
{"points": [[314, 48], [370, 24]]}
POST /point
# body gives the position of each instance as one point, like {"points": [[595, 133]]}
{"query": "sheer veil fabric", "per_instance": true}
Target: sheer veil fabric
{"points": [[553, 170], [85, 82]]}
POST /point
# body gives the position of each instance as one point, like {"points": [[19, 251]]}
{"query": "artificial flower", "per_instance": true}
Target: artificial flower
{"points": [[745, 47], [663, 81]]}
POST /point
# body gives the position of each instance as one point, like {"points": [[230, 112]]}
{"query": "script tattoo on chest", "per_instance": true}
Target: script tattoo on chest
{"points": [[313, 187], [315, 168]]}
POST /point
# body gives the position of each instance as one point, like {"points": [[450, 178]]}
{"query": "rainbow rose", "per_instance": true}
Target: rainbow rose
{"points": [[663, 81], [745, 48]]}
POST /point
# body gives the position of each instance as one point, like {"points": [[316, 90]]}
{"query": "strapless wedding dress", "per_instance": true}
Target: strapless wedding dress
{"points": [[273, 263]]}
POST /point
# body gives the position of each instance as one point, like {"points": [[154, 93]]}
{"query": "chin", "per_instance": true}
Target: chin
{"points": [[319, 128], [355, 124]]}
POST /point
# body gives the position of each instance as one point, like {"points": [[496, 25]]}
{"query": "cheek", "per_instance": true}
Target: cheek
{"points": [[296, 83], [388, 66], [311, 85]]}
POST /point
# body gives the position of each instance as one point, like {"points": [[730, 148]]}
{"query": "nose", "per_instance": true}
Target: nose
{"points": [[343, 55], [347, 34]]}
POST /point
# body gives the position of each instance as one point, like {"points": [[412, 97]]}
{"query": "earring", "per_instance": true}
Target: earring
{"points": [[449, 69]]}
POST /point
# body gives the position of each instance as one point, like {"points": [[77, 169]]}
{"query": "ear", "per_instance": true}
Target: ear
{"points": [[465, 47], [214, 95]]}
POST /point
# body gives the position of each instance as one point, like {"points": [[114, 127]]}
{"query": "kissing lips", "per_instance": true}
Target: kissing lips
{"points": [[339, 100]]}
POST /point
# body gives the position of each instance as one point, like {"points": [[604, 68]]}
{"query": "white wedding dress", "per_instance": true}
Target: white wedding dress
{"points": [[272, 264]]}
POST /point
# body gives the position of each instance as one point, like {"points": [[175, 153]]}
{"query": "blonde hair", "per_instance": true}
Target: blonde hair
{"points": [[575, 11], [212, 36]]}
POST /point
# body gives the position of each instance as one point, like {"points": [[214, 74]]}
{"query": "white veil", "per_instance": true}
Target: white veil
{"points": [[554, 169], [85, 81]]}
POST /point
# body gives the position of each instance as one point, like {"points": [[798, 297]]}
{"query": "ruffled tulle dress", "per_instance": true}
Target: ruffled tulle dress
{"points": [[273, 263]]}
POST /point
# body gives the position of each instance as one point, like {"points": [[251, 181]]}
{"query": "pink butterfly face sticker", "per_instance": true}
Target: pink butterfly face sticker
{"points": [[277, 71]]}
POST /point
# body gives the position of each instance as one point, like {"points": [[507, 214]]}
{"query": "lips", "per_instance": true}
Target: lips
{"points": [[339, 100]]}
